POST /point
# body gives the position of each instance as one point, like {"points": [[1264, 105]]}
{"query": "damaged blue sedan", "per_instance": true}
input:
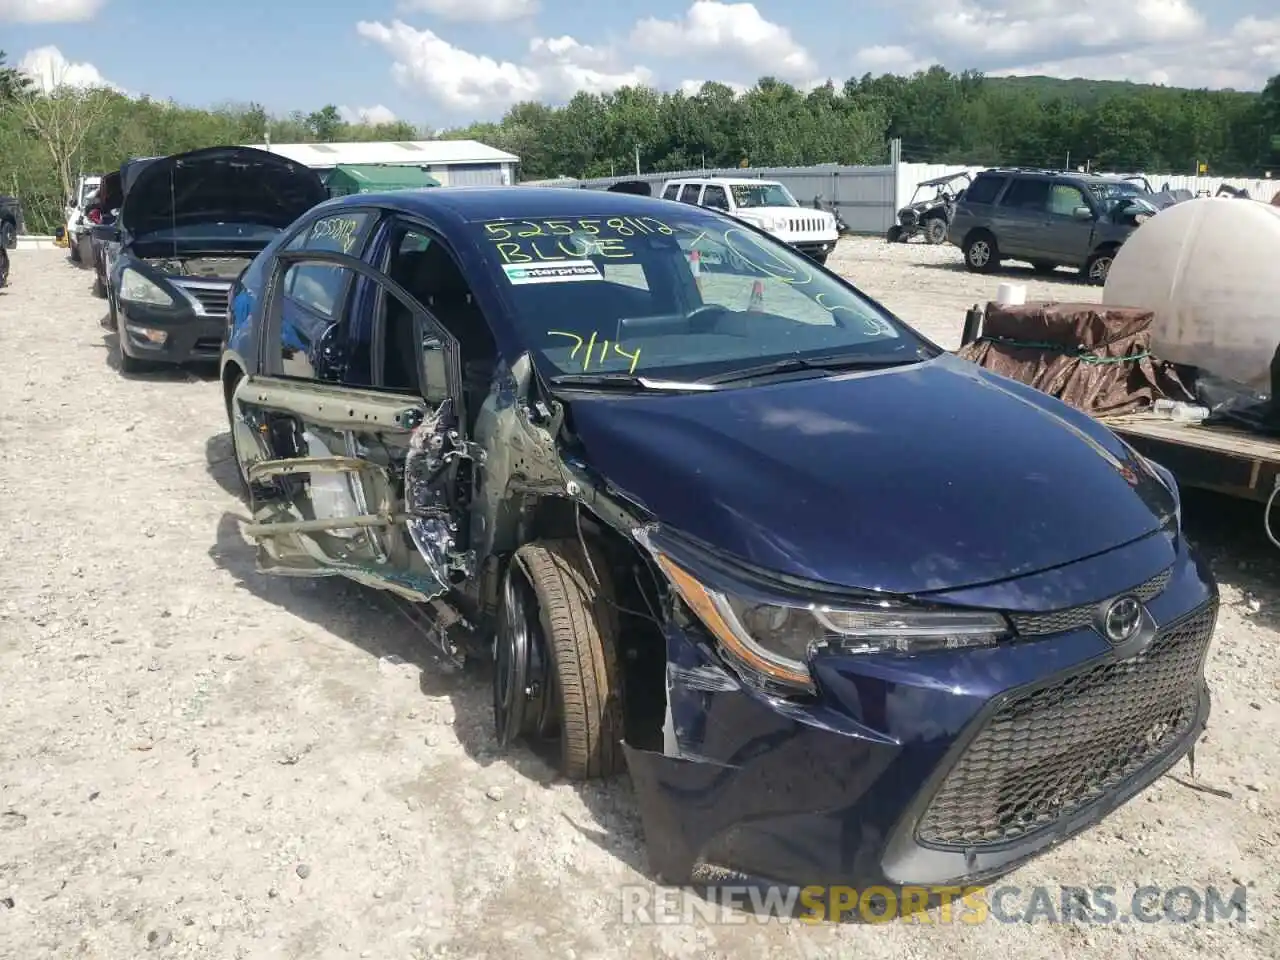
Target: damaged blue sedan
{"points": [[849, 609]]}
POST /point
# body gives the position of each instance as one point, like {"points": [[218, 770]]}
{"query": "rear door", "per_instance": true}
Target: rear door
{"points": [[1019, 218], [346, 478]]}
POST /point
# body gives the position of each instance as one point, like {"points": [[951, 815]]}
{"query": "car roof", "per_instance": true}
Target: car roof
{"points": [[471, 204], [1066, 174], [731, 181]]}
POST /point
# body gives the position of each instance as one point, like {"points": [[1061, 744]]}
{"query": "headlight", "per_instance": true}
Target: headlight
{"points": [[773, 642], [137, 288]]}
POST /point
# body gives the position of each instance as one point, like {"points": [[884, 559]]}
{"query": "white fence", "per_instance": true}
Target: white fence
{"points": [[868, 198]]}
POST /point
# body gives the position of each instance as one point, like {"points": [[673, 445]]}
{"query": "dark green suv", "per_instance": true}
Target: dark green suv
{"points": [[1046, 218]]}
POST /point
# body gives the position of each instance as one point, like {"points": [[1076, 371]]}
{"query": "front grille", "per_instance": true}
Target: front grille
{"points": [[213, 298], [1080, 617], [806, 225], [1049, 753], [207, 345], [908, 217]]}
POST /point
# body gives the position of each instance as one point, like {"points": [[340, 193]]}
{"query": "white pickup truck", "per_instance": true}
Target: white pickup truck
{"points": [[766, 204]]}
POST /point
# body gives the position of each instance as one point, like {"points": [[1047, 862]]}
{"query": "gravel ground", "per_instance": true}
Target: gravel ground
{"points": [[197, 761]]}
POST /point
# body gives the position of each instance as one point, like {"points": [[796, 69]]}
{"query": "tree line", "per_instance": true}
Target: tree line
{"points": [[47, 139]]}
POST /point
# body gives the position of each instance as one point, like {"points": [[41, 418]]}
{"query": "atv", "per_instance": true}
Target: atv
{"points": [[931, 208]]}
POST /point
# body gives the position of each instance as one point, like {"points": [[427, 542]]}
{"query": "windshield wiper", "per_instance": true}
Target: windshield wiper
{"points": [[821, 365], [626, 381]]}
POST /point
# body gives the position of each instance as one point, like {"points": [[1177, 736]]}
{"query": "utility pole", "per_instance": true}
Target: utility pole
{"points": [[1068, 166], [637, 160]]}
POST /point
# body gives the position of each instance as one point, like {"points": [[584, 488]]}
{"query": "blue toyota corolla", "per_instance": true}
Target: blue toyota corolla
{"points": [[847, 608]]}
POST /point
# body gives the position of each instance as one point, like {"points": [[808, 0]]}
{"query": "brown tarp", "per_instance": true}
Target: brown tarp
{"points": [[1076, 352]]}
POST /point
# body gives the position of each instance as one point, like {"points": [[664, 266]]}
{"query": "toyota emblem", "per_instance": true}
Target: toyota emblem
{"points": [[1122, 619]]}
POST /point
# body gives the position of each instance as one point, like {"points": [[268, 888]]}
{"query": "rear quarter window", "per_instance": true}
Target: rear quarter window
{"points": [[984, 189], [690, 193]]}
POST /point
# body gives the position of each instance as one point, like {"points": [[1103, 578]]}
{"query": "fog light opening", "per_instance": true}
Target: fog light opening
{"points": [[150, 334]]}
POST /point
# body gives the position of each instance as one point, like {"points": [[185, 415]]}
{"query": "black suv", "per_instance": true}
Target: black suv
{"points": [[1048, 218]]}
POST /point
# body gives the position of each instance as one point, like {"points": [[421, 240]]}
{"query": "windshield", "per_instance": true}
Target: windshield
{"points": [[678, 297], [1118, 188], [762, 195], [216, 232]]}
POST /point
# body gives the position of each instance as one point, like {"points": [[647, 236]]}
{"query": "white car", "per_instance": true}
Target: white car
{"points": [[766, 204], [86, 187]]}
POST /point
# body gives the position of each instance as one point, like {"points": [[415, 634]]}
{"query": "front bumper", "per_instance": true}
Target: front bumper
{"points": [[814, 248], [934, 770], [188, 336]]}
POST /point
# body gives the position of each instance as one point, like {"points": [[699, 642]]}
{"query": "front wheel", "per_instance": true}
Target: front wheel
{"points": [[819, 258], [981, 254], [894, 234], [1099, 265], [556, 657], [935, 230], [8, 235]]}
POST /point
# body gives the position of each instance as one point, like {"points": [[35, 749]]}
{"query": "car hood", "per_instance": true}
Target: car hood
{"points": [[217, 184], [773, 212], [910, 480]]}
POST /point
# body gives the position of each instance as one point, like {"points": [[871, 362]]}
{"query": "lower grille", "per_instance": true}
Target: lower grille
{"points": [[213, 299], [1050, 753], [207, 345]]}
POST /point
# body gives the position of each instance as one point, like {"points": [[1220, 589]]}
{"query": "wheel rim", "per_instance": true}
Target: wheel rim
{"points": [[979, 253], [1099, 268], [522, 697], [937, 230]]}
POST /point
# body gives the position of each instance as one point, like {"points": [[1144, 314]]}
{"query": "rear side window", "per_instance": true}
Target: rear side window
{"points": [[689, 194], [715, 197], [1027, 195], [318, 285], [672, 192], [984, 189]]}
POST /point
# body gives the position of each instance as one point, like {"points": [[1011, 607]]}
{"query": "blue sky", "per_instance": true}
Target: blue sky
{"points": [[442, 62]]}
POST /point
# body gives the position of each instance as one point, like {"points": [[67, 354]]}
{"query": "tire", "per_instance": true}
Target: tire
{"points": [[228, 396], [129, 365], [99, 288], [73, 252], [935, 230], [1044, 267], [819, 258], [8, 234], [981, 255], [579, 627], [1096, 269], [893, 234]]}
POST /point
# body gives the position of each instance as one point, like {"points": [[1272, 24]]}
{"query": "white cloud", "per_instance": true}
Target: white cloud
{"points": [[887, 59], [461, 81], [733, 30], [367, 115], [473, 11], [1152, 41], [50, 70], [48, 11], [1243, 58], [1022, 27]]}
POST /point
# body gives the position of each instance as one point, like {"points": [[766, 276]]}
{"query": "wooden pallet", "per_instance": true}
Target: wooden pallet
{"points": [[1226, 459]]}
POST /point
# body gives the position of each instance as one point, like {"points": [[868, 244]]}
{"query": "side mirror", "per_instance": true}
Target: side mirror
{"points": [[1082, 213]]}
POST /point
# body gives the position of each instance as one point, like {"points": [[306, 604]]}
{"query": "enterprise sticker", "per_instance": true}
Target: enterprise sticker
{"points": [[558, 272]]}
